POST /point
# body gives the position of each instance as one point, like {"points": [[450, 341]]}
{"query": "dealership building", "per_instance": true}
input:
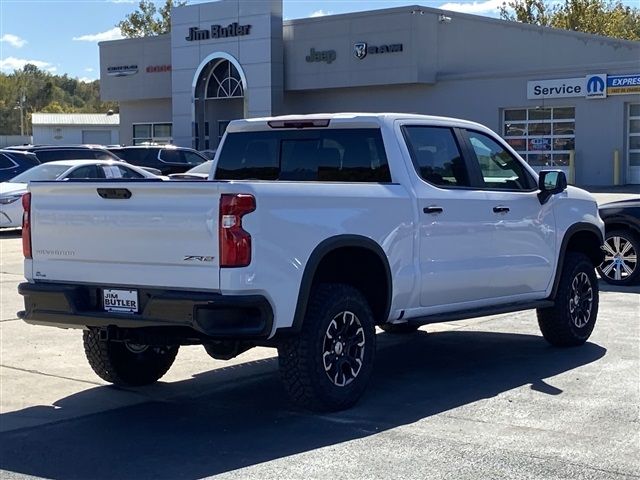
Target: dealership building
{"points": [[562, 99]]}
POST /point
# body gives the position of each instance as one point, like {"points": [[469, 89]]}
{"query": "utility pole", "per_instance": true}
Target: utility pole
{"points": [[20, 106], [22, 100]]}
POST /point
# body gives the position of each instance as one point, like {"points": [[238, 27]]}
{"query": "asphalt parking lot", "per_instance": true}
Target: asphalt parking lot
{"points": [[481, 398]]}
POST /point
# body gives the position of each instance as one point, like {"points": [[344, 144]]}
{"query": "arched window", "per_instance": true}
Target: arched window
{"points": [[224, 82]]}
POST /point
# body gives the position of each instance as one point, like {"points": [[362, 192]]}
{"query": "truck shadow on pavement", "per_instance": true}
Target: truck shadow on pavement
{"points": [[236, 417]]}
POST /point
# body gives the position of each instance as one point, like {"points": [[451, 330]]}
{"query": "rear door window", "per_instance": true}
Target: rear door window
{"points": [[87, 172], [6, 162], [192, 158], [327, 155], [104, 155], [172, 156], [436, 155], [64, 154], [146, 157]]}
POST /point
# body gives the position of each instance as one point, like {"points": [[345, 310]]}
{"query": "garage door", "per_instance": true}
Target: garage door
{"points": [[96, 137]]}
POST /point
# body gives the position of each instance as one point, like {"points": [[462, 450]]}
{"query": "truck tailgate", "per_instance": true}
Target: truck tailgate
{"points": [[164, 235]]}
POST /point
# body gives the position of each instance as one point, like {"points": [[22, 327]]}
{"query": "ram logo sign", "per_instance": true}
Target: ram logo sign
{"points": [[596, 86], [360, 50]]}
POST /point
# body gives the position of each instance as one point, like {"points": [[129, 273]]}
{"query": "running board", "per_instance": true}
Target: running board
{"points": [[479, 312]]}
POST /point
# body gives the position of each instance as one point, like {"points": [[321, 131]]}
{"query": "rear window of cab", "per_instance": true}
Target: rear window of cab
{"points": [[307, 155]]}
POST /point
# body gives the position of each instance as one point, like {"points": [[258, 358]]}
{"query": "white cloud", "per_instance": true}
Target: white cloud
{"points": [[319, 13], [10, 64], [88, 69], [122, 1], [113, 34], [13, 40], [488, 6], [86, 79]]}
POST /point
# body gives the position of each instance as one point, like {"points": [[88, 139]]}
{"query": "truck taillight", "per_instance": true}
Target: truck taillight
{"points": [[26, 225], [235, 242]]}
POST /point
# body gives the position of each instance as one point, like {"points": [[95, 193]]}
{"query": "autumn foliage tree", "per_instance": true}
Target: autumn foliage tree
{"points": [[610, 18]]}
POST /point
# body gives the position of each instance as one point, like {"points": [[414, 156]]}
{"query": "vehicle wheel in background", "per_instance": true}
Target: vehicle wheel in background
{"points": [[572, 319], [327, 366], [620, 265], [124, 363]]}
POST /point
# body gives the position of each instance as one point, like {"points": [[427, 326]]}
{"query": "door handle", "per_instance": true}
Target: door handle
{"points": [[433, 210], [115, 193], [500, 209]]}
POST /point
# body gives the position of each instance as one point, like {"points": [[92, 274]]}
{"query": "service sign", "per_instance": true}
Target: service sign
{"points": [[558, 88], [623, 84]]}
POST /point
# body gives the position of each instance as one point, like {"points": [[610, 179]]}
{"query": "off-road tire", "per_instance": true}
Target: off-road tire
{"points": [[634, 243], [303, 359], [399, 328], [560, 324], [116, 363]]}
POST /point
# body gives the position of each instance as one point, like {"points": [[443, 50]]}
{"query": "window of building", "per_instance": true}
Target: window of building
{"points": [[152, 133], [224, 82], [542, 136]]}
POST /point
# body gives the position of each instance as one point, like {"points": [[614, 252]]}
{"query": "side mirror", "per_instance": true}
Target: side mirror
{"points": [[551, 182]]}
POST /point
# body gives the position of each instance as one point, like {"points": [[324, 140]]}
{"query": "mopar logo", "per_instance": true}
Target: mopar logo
{"points": [[596, 86]]}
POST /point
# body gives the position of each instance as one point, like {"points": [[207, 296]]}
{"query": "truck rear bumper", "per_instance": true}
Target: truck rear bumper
{"points": [[211, 314]]}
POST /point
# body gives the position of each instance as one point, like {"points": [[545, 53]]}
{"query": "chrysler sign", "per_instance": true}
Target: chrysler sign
{"points": [[122, 70]]}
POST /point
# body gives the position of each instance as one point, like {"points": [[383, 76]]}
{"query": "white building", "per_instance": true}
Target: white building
{"points": [[75, 128]]}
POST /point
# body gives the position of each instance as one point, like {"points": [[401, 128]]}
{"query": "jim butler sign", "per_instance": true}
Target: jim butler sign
{"points": [[218, 31]]}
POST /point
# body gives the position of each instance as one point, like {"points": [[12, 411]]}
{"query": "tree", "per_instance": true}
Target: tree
{"points": [[602, 17], [526, 11], [43, 91], [148, 20]]}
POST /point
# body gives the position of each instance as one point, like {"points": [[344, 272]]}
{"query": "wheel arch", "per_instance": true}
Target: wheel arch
{"points": [[333, 249], [581, 237]]}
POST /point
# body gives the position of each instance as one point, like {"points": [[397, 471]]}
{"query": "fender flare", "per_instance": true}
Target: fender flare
{"points": [[571, 231], [319, 253]]}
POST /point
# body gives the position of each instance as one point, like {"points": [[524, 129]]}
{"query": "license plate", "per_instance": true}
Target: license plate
{"points": [[123, 301]]}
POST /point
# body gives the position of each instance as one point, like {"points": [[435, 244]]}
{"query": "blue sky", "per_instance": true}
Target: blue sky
{"points": [[61, 35]]}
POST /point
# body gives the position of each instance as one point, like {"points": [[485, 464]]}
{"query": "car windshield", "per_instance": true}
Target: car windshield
{"points": [[202, 168], [41, 172]]}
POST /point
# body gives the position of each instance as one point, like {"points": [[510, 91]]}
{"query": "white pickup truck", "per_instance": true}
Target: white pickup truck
{"points": [[311, 231]]}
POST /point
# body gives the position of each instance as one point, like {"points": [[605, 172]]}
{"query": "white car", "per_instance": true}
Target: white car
{"points": [[12, 191], [199, 172]]}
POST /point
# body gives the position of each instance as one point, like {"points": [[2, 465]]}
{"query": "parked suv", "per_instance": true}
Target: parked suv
{"points": [[166, 158], [13, 163], [52, 153]]}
